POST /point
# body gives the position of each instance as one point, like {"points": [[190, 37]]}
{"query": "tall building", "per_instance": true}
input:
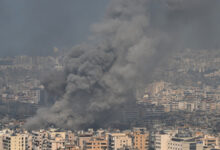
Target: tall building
{"points": [[120, 141], [161, 141], [15, 142], [82, 139], [40, 139], [141, 139]]}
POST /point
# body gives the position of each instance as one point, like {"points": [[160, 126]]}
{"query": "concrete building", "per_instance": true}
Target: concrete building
{"points": [[15, 142], [184, 144], [161, 141], [177, 140], [56, 143], [1, 140], [97, 144], [141, 139], [120, 141], [40, 140], [211, 141], [82, 139]]}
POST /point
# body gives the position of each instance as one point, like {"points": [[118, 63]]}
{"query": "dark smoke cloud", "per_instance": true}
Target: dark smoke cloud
{"points": [[34, 27], [134, 38]]}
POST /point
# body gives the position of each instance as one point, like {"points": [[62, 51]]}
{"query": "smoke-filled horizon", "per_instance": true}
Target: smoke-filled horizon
{"points": [[134, 38], [30, 27]]}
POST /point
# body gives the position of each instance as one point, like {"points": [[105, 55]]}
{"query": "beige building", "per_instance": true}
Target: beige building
{"points": [[211, 141], [39, 140], [83, 139], [57, 143], [1, 140], [55, 134], [161, 141], [141, 139], [97, 144], [70, 147], [15, 142], [120, 141], [70, 137]]}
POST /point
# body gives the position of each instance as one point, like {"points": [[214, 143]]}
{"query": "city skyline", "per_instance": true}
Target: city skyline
{"points": [[110, 74]]}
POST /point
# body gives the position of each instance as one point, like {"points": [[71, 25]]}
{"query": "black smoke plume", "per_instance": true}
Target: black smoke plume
{"points": [[134, 38]]}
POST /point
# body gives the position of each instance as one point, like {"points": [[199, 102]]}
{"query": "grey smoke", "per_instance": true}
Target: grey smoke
{"points": [[134, 38]]}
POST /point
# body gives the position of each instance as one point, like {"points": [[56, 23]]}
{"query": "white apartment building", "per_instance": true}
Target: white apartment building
{"points": [[184, 144], [120, 140], [168, 141], [161, 141]]}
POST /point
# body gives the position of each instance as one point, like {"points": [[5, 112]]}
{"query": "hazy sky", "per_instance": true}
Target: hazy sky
{"points": [[34, 27]]}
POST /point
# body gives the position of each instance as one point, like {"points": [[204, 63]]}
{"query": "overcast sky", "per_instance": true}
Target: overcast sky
{"points": [[34, 27]]}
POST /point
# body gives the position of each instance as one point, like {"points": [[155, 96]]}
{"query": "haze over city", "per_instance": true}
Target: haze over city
{"points": [[110, 74]]}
